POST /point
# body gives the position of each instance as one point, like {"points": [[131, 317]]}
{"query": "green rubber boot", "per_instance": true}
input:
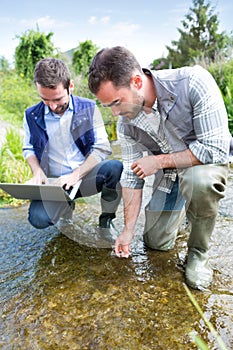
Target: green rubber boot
{"points": [[198, 272]]}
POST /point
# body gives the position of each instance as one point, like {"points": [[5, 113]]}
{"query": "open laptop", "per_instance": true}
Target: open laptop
{"points": [[46, 192]]}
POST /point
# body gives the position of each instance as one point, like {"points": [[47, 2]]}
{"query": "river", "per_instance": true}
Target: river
{"points": [[63, 288]]}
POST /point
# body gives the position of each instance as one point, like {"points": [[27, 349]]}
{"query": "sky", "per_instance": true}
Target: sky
{"points": [[144, 27]]}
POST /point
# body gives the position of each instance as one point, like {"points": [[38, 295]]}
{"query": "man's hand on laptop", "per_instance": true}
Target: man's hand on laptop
{"points": [[38, 178]]}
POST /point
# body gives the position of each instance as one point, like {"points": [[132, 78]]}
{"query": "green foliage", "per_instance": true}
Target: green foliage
{"points": [[32, 47], [198, 37], [13, 167], [82, 57], [81, 87], [222, 71], [4, 65], [110, 122], [228, 99], [160, 63], [17, 94]]}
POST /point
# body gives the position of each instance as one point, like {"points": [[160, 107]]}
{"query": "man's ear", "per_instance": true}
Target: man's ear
{"points": [[136, 80], [71, 87]]}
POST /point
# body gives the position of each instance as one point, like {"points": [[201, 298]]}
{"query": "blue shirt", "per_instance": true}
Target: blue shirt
{"points": [[63, 154]]}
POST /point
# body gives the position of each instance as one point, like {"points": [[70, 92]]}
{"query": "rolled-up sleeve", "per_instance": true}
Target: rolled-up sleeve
{"points": [[210, 119], [27, 146]]}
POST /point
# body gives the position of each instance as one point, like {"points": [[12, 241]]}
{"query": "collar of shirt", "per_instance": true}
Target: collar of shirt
{"points": [[50, 115]]}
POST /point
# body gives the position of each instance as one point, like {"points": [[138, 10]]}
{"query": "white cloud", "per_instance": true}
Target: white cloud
{"points": [[5, 20], [114, 30], [92, 20], [44, 23], [125, 28], [105, 19]]}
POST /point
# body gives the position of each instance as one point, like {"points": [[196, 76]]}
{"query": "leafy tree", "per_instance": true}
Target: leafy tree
{"points": [[82, 57], [199, 36], [4, 64], [32, 47], [160, 63]]}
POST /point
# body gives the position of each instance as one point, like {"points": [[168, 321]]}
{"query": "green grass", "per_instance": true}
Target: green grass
{"points": [[13, 167]]}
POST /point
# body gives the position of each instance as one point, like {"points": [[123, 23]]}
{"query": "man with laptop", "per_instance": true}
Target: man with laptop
{"points": [[65, 139]]}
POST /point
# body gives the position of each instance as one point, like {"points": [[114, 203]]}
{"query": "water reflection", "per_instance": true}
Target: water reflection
{"points": [[58, 293]]}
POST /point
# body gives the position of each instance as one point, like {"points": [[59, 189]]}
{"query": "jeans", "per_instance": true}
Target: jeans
{"points": [[161, 201], [104, 178]]}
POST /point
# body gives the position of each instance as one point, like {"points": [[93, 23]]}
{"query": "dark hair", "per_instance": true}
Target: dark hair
{"points": [[50, 72], [115, 64]]}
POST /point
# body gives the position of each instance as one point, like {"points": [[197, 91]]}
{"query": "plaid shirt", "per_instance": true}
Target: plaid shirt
{"points": [[191, 114], [132, 150]]}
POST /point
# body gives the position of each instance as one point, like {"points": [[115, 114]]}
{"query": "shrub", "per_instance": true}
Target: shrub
{"points": [[16, 95], [13, 167], [223, 73]]}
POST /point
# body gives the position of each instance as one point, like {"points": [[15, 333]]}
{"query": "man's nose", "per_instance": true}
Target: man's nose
{"points": [[52, 105], [115, 110]]}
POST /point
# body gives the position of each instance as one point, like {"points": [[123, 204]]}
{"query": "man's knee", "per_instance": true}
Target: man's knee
{"points": [[203, 186], [161, 228], [37, 216], [115, 168], [38, 222], [109, 174]]}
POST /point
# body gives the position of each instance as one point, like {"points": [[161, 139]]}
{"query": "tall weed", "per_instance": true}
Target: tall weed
{"points": [[200, 342], [13, 167]]}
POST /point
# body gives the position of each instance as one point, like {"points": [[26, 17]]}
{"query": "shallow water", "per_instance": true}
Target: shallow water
{"points": [[62, 293]]}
